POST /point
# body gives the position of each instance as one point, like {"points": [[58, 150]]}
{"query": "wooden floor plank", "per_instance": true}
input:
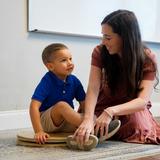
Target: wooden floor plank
{"points": [[154, 157]]}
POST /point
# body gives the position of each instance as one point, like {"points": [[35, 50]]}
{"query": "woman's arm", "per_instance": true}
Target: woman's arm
{"points": [[92, 92], [136, 104], [130, 107], [140, 102], [87, 125]]}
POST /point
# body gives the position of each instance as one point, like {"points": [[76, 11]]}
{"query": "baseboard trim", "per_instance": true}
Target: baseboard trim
{"points": [[14, 119], [17, 119]]}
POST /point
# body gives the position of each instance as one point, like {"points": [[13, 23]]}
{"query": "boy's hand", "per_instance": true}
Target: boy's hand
{"points": [[41, 137]]}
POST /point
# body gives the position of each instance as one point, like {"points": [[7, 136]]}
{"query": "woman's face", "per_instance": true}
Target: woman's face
{"points": [[111, 40]]}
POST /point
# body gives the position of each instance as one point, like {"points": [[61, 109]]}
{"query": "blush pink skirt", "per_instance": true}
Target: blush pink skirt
{"points": [[139, 127]]}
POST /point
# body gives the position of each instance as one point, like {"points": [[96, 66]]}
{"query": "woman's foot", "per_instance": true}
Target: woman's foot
{"points": [[112, 130]]}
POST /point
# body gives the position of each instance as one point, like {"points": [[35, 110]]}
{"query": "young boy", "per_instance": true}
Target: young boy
{"points": [[51, 108]]}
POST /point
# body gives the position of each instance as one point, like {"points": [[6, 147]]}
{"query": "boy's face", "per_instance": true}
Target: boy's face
{"points": [[62, 64]]}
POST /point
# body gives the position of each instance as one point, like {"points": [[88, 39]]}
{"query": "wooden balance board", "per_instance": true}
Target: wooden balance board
{"points": [[26, 138]]}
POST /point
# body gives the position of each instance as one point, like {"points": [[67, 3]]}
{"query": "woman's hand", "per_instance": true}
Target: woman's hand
{"points": [[101, 125], [86, 128], [41, 137]]}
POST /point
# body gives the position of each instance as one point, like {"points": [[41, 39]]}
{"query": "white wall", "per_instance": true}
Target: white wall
{"points": [[20, 63]]}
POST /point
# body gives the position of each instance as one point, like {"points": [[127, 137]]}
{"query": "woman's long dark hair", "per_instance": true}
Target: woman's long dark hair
{"points": [[130, 70]]}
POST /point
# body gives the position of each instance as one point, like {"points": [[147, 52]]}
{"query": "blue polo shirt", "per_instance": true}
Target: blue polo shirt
{"points": [[51, 90]]}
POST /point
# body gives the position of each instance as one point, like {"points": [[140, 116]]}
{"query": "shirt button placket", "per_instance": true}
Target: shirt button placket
{"points": [[64, 88], [64, 91]]}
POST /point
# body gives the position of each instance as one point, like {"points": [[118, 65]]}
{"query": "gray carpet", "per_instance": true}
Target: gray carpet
{"points": [[110, 150]]}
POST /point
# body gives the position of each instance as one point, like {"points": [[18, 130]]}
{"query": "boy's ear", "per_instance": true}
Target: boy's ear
{"points": [[49, 66]]}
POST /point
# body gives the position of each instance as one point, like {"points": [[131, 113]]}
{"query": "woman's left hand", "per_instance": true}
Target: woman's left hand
{"points": [[101, 124]]}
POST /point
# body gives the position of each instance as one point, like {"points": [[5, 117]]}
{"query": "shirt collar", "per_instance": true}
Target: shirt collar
{"points": [[59, 81]]}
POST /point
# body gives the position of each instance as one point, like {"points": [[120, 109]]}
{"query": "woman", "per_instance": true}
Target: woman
{"points": [[122, 78]]}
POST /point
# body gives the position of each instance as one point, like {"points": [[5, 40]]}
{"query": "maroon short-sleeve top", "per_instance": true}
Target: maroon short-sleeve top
{"points": [[105, 99]]}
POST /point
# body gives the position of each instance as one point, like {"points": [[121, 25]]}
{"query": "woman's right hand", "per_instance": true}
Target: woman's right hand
{"points": [[86, 128], [41, 137]]}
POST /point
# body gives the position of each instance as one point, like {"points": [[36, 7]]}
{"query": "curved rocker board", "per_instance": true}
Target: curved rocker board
{"points": [[34, 144], [26, 138]]}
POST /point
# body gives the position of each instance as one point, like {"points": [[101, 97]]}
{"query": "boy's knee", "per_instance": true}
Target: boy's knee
{"points": [[61, 104]]}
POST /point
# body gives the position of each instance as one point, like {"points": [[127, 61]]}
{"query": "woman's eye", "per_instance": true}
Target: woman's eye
{"points": [[106, 37]]}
